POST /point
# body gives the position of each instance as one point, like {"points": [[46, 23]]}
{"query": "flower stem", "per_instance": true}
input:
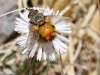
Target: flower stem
{"points": [[31, 66], [47, 64], [61, 65]]}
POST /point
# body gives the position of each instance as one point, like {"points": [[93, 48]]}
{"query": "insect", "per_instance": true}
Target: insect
{"points": [[36, 17], [40, 27]]}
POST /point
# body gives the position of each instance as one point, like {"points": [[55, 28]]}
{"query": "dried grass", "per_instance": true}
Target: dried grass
{"points": [[83, 55]]}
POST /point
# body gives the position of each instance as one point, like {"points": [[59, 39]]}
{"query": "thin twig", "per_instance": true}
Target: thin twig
{"points": [[18, 10], [77, 51], [71, 53], [98, 71], [99, 13], [82, 6], [12, 12], [20, 4], [25, 3], [88, 15], [67, 8]]}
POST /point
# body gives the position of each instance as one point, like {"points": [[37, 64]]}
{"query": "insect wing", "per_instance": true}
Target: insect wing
{"points": [[60, 18], [32, 37]]}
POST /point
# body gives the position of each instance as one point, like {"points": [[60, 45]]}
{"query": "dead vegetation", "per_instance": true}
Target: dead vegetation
{"points": [[83, 55]]}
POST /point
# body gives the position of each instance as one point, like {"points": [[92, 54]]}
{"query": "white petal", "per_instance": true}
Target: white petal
{"points": [[64, 39], [21, 38], [26, 13], [61, 43], [22, 26], [52, 56], [44, 55], [24, 51], [22, 41], [47, 11], [61, 49], [44, 52], [24, 17], [49, 48], [39, 53], [55, 46], [64, 32], [33, 50], [61, 25], [50, 12], [19, 30], [21, 21], [62, 29], [57, 12]]}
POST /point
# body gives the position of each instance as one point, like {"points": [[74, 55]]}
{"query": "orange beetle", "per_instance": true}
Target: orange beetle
{"points": [[47, 31]]}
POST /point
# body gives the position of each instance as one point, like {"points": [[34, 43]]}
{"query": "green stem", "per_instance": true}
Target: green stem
{"points": [[47, 64], [61, 65], [31, 68]]}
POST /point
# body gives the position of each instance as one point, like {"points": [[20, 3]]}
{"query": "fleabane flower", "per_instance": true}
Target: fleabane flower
{"points": [[43, 32]]}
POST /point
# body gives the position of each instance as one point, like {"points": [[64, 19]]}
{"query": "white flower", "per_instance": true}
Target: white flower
{"points": [[47, 47]]}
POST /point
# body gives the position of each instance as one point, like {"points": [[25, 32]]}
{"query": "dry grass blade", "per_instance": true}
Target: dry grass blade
{"points": [[83, 53], [8, 51], [88, 16]]}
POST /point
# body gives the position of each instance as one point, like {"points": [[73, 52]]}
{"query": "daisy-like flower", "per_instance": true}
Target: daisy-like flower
{"points": [[43, 32]]}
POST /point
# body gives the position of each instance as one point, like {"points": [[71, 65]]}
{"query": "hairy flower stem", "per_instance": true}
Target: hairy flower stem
{"points": [[61, 65], [47, 64]]}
